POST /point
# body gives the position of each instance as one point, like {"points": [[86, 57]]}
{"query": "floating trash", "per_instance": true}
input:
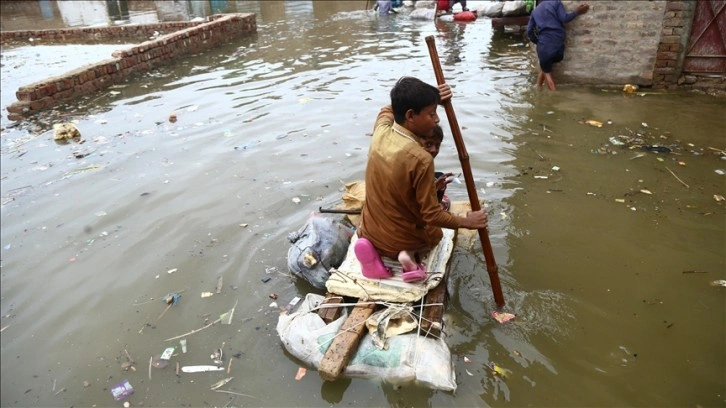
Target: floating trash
{"points": [[220, 383], [171, 298], [122, 390], [168, 352], [615, 141], [592, 122], [502, 317], [158, 362], [502, 372], [656, 149], [65, 132], [201, 369]]}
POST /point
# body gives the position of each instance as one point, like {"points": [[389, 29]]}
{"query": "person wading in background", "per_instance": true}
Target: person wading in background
{"points": [[546, 28]]}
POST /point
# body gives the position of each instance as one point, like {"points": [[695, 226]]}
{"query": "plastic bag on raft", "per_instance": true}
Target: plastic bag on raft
{"points": [[407, 358], [319, 245]]}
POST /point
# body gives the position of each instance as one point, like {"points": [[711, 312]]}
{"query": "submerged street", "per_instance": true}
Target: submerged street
{"points": [[610, 240]]}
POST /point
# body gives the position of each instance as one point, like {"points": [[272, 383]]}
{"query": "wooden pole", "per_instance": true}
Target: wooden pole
{"points": [[492, 268]]}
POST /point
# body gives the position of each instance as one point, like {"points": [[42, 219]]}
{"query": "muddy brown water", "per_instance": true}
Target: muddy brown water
{"points": [[610, 284]]}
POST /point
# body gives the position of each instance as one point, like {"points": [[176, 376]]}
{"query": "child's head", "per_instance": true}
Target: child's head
{"points": [[414, 105], [433, 144]]}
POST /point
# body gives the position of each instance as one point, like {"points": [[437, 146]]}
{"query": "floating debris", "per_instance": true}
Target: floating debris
{"points": [[592, 122], [502, 372], [616, 141], [158, 362], [168, 352], [201, 369], [171, 298], [122, 390], [220, 383], [656, 149], [301, 371], [292, 304], [65, 132], [502, 317]]}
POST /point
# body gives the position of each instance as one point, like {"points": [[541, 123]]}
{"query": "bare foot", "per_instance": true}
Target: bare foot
{"points": [[549, 81], [407, 261]]}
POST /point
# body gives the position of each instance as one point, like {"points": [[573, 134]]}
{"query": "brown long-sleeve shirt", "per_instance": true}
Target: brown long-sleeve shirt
{"points": [[401, 211]]}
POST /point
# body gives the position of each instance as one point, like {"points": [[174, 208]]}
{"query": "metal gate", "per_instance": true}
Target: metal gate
{"points": [[706, 51]]}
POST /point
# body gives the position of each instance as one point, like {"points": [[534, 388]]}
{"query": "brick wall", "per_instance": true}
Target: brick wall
{"points": [[674, 39], [615, 43], [93, 34], [143, 57], [631, 42]]}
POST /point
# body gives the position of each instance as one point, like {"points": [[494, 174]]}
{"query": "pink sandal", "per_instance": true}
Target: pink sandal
{"points": [[415, 275], [371, 263]]}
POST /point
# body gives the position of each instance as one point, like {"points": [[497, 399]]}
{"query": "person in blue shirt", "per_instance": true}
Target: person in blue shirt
{"points": [[546, 28]]}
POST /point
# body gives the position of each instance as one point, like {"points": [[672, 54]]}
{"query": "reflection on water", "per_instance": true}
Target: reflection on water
{"points": [[596, 271]]}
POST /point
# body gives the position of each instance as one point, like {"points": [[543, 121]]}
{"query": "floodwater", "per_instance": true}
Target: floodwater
{"points": [[606, 253]]}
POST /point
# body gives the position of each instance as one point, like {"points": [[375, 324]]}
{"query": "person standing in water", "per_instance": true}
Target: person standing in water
{"points": [[546, 28]]}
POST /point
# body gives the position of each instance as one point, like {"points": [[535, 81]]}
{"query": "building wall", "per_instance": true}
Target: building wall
{"points": [[614, 43], [632, 42]]}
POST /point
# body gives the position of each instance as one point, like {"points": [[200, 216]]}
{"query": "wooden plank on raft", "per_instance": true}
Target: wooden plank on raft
{"points": [[432, 322], [345, 343], [330, 314]]}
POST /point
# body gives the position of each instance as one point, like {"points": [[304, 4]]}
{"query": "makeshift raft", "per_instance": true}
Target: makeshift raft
{"points": [[405, 343]]}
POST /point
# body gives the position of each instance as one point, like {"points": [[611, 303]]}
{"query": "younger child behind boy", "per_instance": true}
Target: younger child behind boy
{"points": [[441, 180]]}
